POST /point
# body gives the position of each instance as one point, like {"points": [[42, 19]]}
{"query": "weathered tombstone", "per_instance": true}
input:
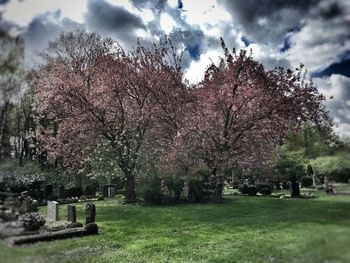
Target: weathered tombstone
{"points": [[294, 189], [61, 192], [52, 210], [105, 191], [72, 213], [90, 211], [111, 191], [48, 190]]}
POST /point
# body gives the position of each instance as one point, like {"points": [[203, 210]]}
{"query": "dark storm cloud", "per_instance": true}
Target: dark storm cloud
{"points": [[267, 21], [113, 21], [101, 14], [329, 9], [42, 29]]}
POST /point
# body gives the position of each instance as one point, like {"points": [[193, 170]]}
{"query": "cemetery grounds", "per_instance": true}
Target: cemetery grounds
{"points": [[241, 229]]}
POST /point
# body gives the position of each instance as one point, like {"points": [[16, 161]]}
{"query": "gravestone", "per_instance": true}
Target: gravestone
{"points": [[105, 191], [90, 211], [72, 214], [294, 189], [61, 192], [52, 210], [111, 191]]}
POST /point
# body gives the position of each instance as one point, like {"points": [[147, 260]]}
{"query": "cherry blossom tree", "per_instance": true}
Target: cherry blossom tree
{"points": [[98, 94], [242, 111]]}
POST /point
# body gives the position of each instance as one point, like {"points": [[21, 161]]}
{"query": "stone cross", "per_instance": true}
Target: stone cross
{"points": [[52, 210], [72, 214], [90, 210]]}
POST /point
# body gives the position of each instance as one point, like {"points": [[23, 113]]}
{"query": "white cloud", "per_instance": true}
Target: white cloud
{"points": [[167, 23], [336, 89], [320, 43], [23, 12], [196, 70]]}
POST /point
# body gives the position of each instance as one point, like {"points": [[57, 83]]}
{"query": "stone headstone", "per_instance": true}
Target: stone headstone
{"points": [[111, 191], [72, 213], [52, 210], [294, 189], [105, 191], [90, 211], [61, 191]]}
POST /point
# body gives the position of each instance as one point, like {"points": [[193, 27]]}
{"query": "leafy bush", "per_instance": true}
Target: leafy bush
{"points": [[89, 190], [265, 191], [31, 221], [252, 190], [151, 191], [334, 167], [306, 181], [285, 185], [74, 192], [199, 186], [17, 183], [243, 189], [263, 186], [175, 187]]}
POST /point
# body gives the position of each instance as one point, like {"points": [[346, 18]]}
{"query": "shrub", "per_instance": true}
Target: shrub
{"points": [[89, 190], [261, 186], [199, 186], [243, 189], [285, 185], [31, 221], [151, 191], [252, 190], [16, 183], [175, 187], [74, 192], [265, 191], [306, 181]]}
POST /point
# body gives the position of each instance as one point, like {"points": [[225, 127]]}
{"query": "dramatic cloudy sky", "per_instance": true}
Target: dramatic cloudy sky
{"points": [[279, 32]]}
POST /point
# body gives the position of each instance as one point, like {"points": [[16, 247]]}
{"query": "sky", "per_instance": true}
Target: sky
{"points": [[284, 33]]}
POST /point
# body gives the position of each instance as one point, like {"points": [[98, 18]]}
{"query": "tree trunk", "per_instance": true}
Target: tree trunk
{"points": [[217, 186], [129, 195]]}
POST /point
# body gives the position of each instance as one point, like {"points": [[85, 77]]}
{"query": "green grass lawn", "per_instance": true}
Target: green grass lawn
{"points": [[242, 229]]}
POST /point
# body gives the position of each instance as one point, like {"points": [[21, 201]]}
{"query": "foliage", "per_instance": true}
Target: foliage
{"points": [[241, 111], [263, 185], [252, 190], [335, 167], [243, 189], [313, 141], [265, 191], [175, 187], [198, 185], [31, 221], [98, 93], [306, 181], [291, 165], [151, 190]]}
